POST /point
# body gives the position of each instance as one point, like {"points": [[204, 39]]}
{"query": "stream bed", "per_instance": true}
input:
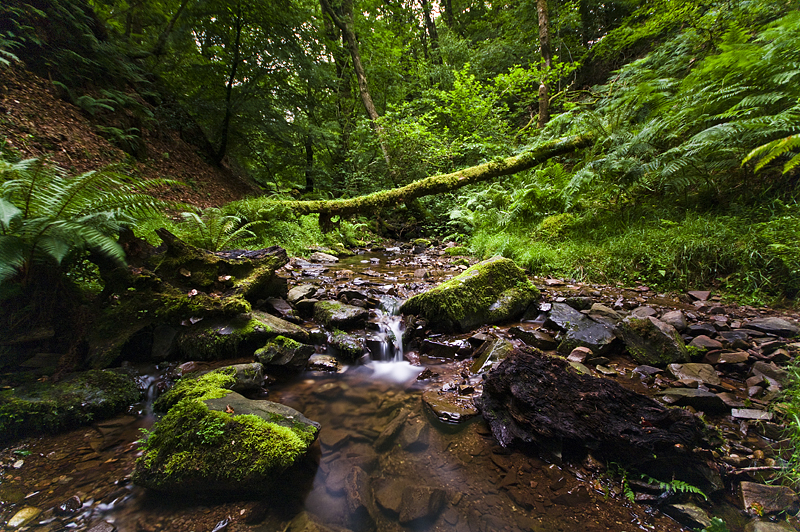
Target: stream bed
{"points": [[383, 460]]}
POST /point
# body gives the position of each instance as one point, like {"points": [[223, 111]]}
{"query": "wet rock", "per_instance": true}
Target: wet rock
{"points": [[69, 507], [318, 256], [534, 337], [301, 291], [580, 354], [704, 342], [751, 413], [248, 377], [280, 308], [164, 342], [104, 526], [645, 372], [534, 399], [689, 515], [701, 373], [389, 494], [762, 499], [651, 341], [579, 496], [644, 312], [440, 349], [563, 317], [23, 517], [212, 439], [579, 302], [283, 353], [696, 329], [676, 318], [449, 407], [698, 399], [770, 371], [720, 357], [588, 333], [419, 503], [490, 353], [389, 433], [336, 315], [768, 526], [491, 291], [348, 347], [415, 436], [78, 399], [604, 314], [318, 362], [776, 326]]}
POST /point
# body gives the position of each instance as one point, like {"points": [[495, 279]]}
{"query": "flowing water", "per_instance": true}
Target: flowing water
{"points": [[383, 461]]}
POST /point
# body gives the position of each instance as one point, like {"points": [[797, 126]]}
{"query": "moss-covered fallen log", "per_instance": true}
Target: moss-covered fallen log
{"points": [[436, 184]]}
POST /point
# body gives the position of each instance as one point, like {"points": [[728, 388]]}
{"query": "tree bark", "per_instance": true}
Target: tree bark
{"points": [[345, 23], [226, 121], [309, 146], [158, 49], [432, 33], [439, 184], [544, 44]]}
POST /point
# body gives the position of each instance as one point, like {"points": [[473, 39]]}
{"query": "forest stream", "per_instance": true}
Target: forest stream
{"points": [[430, 465]]}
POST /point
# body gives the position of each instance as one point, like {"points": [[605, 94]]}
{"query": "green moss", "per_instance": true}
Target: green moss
{"points": [[456, 251], [211, 385], [488, 292], [77, 400], [422, 242], [349, 347]]}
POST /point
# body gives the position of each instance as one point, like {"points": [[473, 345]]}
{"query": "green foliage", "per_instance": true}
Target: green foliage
{"points": [[215, 231], [791, 410], [717, 525], [47, 217]]}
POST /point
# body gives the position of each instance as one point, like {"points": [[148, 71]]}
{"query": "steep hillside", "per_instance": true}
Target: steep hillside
{"points": [[35, 122]]}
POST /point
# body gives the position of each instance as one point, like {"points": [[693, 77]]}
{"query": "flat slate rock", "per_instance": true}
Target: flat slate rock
{"points": [[694, 397], [763, 499], [777, 326], [702, 373]]}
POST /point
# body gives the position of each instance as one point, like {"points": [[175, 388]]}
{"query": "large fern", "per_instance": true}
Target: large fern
{"points": [[46, 215], [216, 231]]}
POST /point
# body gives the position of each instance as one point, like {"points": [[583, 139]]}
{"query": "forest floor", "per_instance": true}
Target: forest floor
{"points": [[36, 122]]}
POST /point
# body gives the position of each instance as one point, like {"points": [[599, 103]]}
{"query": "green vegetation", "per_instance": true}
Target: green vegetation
{"points": [[791, 407]]}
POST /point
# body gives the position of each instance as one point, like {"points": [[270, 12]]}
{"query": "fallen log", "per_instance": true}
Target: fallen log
{"points": [[437, 184]]}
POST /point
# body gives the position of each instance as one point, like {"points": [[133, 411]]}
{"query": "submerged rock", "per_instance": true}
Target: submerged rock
{"points": [[491, 291], [79, 399], [532, 398], [213, 439]]}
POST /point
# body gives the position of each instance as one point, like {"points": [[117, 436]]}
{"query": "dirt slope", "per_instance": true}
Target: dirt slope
{"points": [[35, 122]]}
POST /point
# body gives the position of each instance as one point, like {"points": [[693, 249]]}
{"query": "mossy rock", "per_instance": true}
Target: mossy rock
{"points": [[336, 315], [79, 399], [422, 242], [239, 336], [283, 353], [456, 251], [491, 291], [213, 439], [651, 341], [348, 347]]}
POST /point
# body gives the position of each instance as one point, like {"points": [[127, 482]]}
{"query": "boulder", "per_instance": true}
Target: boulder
{"points": [[534, 337], [702, 400], [348, 347], [532, 398], [491, 291], [336, 315], [651, 341], [490, 353], [299, 292], [78, 399], [284, 354], [701, 373], [676, 318], [222, 338], [579, 330], [215, 440]]}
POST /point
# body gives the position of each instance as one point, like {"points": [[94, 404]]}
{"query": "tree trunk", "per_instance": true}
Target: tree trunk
{"points": [[439, 184], [346, 24], [309, 145], [226, 121], [432, 33], [544, 44], [158, 49]]}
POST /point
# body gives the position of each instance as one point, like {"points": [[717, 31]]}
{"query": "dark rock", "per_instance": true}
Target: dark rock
{"points": [[306, 306], [164, 344], [420, 503], [248, 377], [579, 302], [534, 337], [652, 342], [696, 329], [532, 398], [722, 357], [563, 317], [490, 353], [704, 342], [281, 353], [491, 291], [440, 349], [69, 507], [356, 487], [388, 435], [771, 371], [776, 326], [449, 407], [700, 295], [768, 526], [646, 372], [349, 348], [588, 333], [644, 312], [279, 307], [318, 362], [698, 399], [336, 315], [580, 354], [102, 526], [762, 499]]}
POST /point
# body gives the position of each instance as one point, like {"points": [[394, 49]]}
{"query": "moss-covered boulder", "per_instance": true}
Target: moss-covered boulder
{"points": [[283, 353], [651, 341], [491, 291], [213, 439], [336, 315], [221, 338], [348, 348], [77, 400]]}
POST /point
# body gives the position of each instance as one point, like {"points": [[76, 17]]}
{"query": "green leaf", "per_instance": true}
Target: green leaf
{"points": [[9, 213]]}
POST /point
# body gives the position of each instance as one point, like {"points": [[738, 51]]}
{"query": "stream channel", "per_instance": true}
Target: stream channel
{"points": [[429, 475]]}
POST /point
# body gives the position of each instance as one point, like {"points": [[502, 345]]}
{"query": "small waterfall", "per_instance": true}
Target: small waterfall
{"points": [[386, 349]]}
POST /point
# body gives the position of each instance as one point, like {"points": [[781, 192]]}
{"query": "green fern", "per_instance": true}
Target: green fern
{"points": [[216, 231], [46, 216]]}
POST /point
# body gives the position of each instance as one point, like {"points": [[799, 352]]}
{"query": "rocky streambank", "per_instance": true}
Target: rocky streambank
{"points": [[590, 393]]}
